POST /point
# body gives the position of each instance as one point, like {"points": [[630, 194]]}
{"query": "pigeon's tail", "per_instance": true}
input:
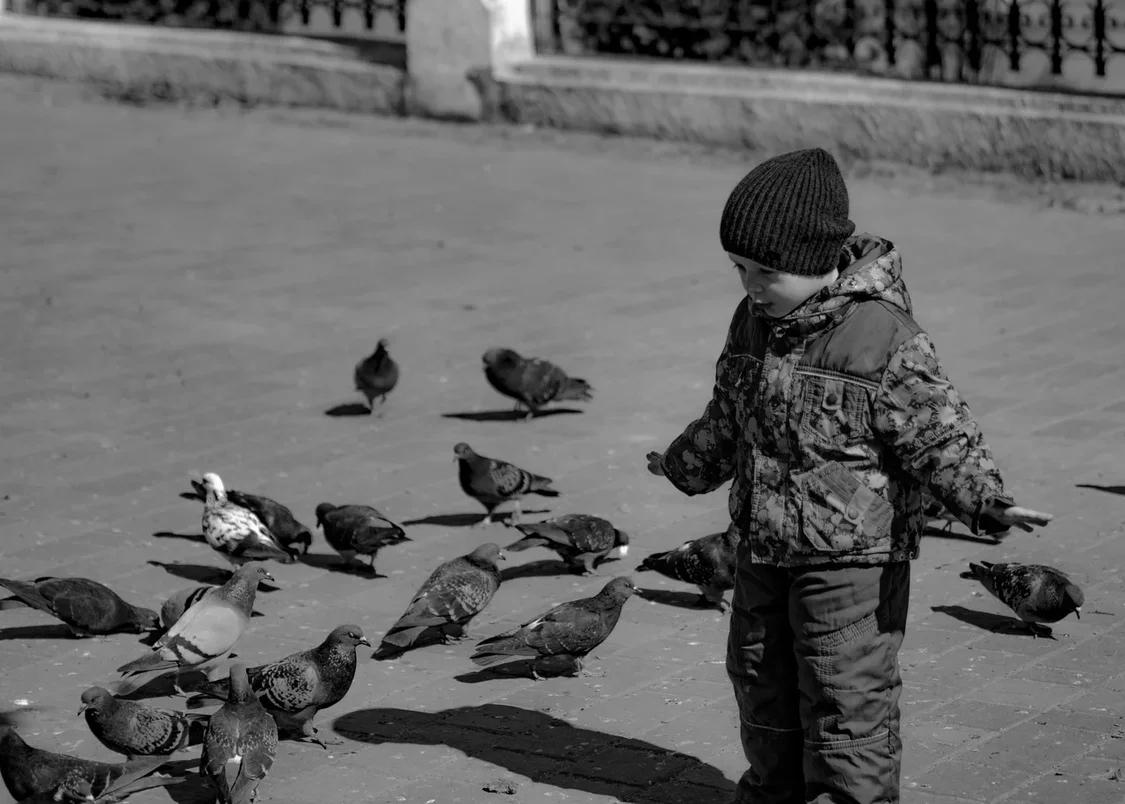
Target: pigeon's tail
{"points": [[489, 659], [396, 642], [146, 663], [657, 562], [575, 389], [542, 486], [28, 594], [208, 691], [197, 493], [12, 603]]}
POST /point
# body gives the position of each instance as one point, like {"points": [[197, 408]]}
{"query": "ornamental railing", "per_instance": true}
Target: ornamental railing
{"points": [[1057, 44], [381, 20]]}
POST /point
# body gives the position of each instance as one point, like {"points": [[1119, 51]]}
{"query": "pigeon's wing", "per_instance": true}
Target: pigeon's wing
{"points": [[226, 527], [588, 534], [455, 593], [257, 745], [86, 602], [209, 628], [289, 685], [569, 628], [541, 380], [507, 480]]}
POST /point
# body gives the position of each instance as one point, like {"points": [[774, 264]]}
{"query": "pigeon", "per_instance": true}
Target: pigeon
{"points": [[358, 530], [136, 730], [278, 519], [295, 688], [562, 636], [707, 562], [207, 630], [240, 744], [1037, 594], [235, 532], [455, 592], [492, 482], [86, 606], [376, 375], [174, 607], [29, 771], [581, 540], [530, 381]]}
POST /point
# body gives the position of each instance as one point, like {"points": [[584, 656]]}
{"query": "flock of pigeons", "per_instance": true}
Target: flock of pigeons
{"points": [[198, 626]]}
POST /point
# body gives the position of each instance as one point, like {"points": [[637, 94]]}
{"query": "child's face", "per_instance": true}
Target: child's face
{"points": [[776, 293]]}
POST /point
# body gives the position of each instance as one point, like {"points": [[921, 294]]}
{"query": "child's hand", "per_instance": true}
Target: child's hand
{"points": [[654, 459], [1017, 517]]}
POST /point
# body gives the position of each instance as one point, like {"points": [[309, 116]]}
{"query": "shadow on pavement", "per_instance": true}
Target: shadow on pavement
{"points": [[543, 748], [994, 623], [507, 415]]}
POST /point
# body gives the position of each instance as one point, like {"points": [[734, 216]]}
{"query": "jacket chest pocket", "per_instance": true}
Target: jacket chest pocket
{"points": [[831, 413]]}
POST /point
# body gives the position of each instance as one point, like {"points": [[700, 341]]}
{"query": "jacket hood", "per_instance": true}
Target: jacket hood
{"points": [[874, 272]]}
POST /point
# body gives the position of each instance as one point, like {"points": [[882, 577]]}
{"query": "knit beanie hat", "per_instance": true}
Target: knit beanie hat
{"points": [[790, 213]]}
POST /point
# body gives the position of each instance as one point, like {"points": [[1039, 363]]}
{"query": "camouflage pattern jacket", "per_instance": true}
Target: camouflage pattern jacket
{"points": [[834, 422]]}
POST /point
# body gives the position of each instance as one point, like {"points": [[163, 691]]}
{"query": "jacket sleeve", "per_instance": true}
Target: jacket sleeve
{"points": [[704, 456], [923, 420]]}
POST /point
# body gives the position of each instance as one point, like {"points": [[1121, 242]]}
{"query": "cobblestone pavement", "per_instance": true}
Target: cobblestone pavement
{"points": [[188, 291]]}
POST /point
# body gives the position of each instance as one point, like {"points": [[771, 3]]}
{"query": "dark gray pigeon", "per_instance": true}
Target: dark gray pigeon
{"points": [[376, 375], [277, 518], [560, 638], [136, 730], [295, 688], [492, 482], [530, 381], [707, 562], [29, 771], [456, 592], [240, 744], [358, 530], [87, 607], [1037, 594], [581, 540]]}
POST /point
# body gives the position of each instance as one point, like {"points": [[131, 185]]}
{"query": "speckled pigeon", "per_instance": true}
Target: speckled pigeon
{"points": [[1037, 594], [278, 519], [358, 530], [207, 630], [295, 688], [136, 730], [707, 562], [456, 592], [29, 771], [240, 744], [86, 606], [532, 382], [562, 636], [492, 482], [376, 375], [581, 540], [235, 532]]}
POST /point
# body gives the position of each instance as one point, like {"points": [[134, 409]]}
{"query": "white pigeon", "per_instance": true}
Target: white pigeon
{"points": [[234, 531]]}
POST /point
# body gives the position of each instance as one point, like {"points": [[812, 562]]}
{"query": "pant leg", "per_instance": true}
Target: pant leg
{"points": [[762, 668], [848, 623]]}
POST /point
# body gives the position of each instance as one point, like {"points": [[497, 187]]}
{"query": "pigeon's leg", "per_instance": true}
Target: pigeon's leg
{"points": [[487, 519], [452, 633], [712, 597], [514, 517], [1040, 631], [588, 567], [310, 734]]}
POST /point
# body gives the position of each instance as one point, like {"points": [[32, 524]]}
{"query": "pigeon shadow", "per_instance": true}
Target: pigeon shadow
{"points": [[520, 668], [993, 623], [348, 409], [542, 748], [466, 520], [536, 569], [158, 686], [937, 533], [507, 415], [333, 563], [683, 600], [191, 537], [202, 574], [1107, 489], [47, 631]]}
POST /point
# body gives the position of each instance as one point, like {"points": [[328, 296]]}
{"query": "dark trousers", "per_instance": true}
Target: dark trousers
{"points": [[813, 656]]}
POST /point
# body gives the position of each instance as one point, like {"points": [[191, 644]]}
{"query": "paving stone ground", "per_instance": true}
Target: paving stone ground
{"points": [[188, 291]]}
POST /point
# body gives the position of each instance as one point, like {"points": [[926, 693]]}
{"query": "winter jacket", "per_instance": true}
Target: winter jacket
{"points": [[833, 423]]}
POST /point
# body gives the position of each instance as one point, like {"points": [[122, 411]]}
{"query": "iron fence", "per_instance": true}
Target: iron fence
{"points": [[344, 18], [1027, 42]]}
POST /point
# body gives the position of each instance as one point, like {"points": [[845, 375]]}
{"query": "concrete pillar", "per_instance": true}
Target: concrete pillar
{"points": [[456, 48]]}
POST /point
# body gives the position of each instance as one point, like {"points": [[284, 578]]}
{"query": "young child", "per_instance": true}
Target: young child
{"points": [[834, 419]]}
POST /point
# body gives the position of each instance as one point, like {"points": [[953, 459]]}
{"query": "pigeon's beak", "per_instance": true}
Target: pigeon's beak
{"points": [[638, 591], [81, 709], [501, 557], [1078, 612], [363, 641], [269, 577]]}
